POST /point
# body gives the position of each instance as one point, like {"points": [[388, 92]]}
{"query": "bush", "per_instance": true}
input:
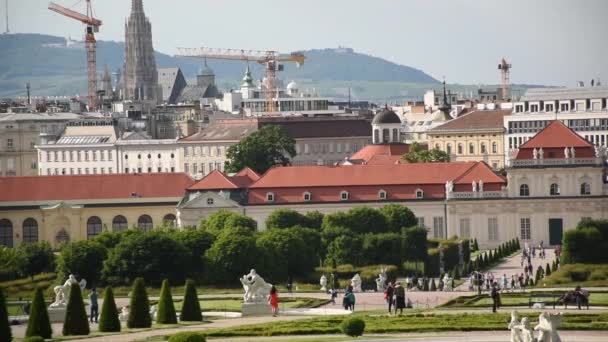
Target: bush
{"points": [[285, 218], [37, 257], [109, 321], [223, 219], [382, 248], [38, 323], [398, 217], [139, 306], [82, 258], [353, 327], [233, 252], [33, 339], [191, 307], [345, 250], [433, 286], [584, 245], [284, 253], [187, 337], [166, 309], [196, 242], [5, 328], [547, 270], [76, 322]]}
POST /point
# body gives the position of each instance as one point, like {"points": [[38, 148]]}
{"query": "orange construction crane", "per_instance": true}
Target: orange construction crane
{"points": [[270, 59], [92, 26]]}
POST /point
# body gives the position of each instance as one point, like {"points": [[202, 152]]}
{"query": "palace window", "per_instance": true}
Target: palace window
{"points": [[460, 148], [554, 189], [93, 227], [493, 228], [144, 223], [30, 230], [585, 189], [483, 148], [270, 197], [210, 201], [471, 148], [419, 193], [524, 190], [420, 221], [494, 147], [307, 196], [525, 228], [448, 148], [438, 226], [465, 227], [6, 233], [169, 220], [344, 195], [119, 223], [382, 194]]}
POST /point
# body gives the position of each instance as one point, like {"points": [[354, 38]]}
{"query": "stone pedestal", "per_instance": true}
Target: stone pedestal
{"points": [[256, 309], [57, 314]]}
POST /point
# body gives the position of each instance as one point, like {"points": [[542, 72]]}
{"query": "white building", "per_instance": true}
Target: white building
{"points": [[583, 109]]}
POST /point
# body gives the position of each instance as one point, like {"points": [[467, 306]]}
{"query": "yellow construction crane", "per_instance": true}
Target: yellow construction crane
{"points": [[270, 59], [92, 26]]}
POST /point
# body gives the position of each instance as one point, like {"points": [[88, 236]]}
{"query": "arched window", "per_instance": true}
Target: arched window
{"points": [[471, 148], [483, 148], [554, 189], [144, 223], [460, 148], [270, 197], [344, 195], [448, 148], [376, 136], [382, 194], [395, 135], [170, 220], [30, 230], [307, 196], [419, 193], [585, 188], [6, 233], [93, 226], [494, 147], [62, 237], [386, 135], [119, 223], [524, 190]]}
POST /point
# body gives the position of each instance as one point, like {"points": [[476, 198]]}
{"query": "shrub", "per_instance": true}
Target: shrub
{"points": [[382, 248], [196, 242], [233, 252], [425, 285], [83, 258], [109, 321], [37, 257], [166, 309], [398, 217], [187, 337], [284, 253], [76, 322], [433, 286], [33, 339], [139, 306], [353, 327], [38, 323], [547, 270], [191, 307], [475, 246], [5, 328], [285, 218], [223, 219], [345, 250]]}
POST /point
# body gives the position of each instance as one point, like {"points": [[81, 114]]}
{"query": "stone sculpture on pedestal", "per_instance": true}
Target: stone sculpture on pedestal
{"points": [[547, 327], [255, 299], [381, 280], [323, 282], [62, 292], [356, 283]]}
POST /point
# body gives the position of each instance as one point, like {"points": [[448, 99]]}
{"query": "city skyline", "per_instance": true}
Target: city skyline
{"points": [[551, 43]]}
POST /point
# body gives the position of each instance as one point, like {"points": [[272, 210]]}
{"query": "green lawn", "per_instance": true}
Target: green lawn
{"points": [[514, 299], [572, 275], [24, 288], [234, 304]]}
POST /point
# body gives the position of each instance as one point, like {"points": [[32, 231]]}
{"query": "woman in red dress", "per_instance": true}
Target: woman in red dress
{"points": [[273, 299]]}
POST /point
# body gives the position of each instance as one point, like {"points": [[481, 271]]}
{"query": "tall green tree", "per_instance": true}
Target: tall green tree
{"points": [[109, 321], [76, 322], [5, 328], [37, 257], [233, 252], [39, 323], [414, 245], [261, 150], [83, 258], [139, 306], [398, 216], [418, 154], [166, 310], [191, 308]]}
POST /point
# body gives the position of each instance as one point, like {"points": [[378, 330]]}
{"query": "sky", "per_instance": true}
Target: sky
{"points": [[550, 42]]}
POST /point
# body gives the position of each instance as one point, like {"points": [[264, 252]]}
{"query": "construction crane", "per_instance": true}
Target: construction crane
{"points": [[92, 26], [504, 68], [270, 59]]}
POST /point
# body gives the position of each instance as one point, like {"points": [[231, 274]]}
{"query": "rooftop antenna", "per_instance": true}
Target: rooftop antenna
{"points": [[6, 8], [27, 87]]}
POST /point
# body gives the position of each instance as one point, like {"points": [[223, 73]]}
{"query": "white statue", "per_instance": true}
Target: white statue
{"points": [[124, 314], [474, 184], [547, 327], [381, 280], [256, 289], [514, 327], [153, 312], [535, 153], [541, 153], [480, 185], [323, 282], [527, 334], [572, 153], [566, 153], [356, 283], [62, 292]]}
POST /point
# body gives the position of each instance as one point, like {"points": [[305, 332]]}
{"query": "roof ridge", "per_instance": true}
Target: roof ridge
{"points": [[466, 172], [560, 124]]}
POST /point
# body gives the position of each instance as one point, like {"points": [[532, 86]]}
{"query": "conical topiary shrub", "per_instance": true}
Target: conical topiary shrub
{"points": [[553, 266], [109, 321], [39, 323], [433, 286], [191, 307], [547, 270], [5, 328], [456, 273], [425, 285], [76, 321], [166, 309], [139, 306]]}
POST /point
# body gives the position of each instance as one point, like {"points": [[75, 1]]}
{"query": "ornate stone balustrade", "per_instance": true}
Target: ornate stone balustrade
{"points": [[556, 162], [477, 195]]}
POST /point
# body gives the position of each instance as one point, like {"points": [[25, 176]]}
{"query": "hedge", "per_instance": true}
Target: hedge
{"points": [[76, 321], [191, 307], [187, 337], [166, 309], [353, 327], [109, 321], [39, 323], [139, 307]]}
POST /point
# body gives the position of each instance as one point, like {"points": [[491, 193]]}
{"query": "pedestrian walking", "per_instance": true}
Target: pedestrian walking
{"points": [[94, 305], [495, 297], [399, 298], [349, 299], [389, 295], [273, 299]]}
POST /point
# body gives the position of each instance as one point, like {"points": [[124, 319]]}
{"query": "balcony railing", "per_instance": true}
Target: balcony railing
{"points": [[477, 194], [556, 162]]}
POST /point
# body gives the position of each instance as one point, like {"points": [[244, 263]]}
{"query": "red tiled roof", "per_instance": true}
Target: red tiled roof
{"points": [[556, 135], [362, 175], [381, 154], [216, 180], [475, 120], [94, 187], [480, 171], [245, 177]]}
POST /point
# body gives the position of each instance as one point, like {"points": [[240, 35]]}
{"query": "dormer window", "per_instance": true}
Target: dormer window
{"points": [[307, 196], [209, 201], [419, 193], [270, 197], [344, 195], [382, 194]]}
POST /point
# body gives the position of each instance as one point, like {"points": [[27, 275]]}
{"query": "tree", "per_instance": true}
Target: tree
{"points": [[233, 252], [475, 245], [223, 219], [83, 258], [5, 328], [196, 242], [241, 221], [166, 309], [261, 150], [139, 306], [414, 244], [11, 263], [37, 257], [38, 323], [191, 307], [419, 154], [153, 256], [285, 218], [315, 219], [284, 253], [382, 248], [345, 250], [76, 322], [109, 322], [367, 220], [397, 217]]}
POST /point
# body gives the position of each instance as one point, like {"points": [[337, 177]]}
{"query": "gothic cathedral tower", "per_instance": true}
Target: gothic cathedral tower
{"points": [[140, 75]]}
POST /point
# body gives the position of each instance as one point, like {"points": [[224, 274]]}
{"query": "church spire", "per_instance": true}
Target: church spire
{"points": [[137, 6]]}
